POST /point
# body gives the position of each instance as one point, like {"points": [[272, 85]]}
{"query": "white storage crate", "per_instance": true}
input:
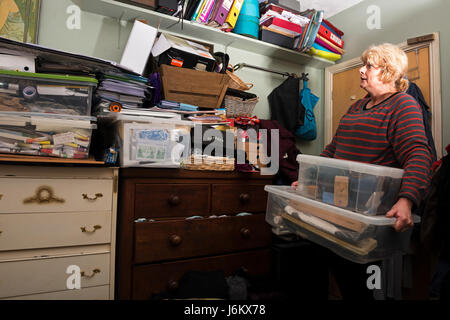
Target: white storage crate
{"points": [[152, 142], [351, 235], [364, 188]]}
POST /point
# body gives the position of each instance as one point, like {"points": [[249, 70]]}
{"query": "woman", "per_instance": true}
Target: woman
{"points": [[386, 128]]}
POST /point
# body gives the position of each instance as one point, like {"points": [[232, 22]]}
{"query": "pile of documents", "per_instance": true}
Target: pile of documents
{"points": [[117, 91]]}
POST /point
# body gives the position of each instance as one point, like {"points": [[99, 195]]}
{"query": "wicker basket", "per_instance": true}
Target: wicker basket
{"points": [[236, 107], [209, 163], [236, 82]]}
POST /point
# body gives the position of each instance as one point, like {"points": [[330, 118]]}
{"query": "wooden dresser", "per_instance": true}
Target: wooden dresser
{"points": [[160, 234], [56, 222]]}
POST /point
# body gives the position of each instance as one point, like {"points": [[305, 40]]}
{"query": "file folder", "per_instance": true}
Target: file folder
{"points": [[206, 10], [222, 12], [330, 36], [327, 44], [234, 12]]}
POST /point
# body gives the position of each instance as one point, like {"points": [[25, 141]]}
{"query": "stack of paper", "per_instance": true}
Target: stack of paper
{"points": [[125, 90]]}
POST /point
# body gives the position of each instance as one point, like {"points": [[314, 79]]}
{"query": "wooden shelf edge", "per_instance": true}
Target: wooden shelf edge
{"points": [[39, 159]]}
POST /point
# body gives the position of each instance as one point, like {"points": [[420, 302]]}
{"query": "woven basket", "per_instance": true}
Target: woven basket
{"points": [[236, 107], [209, 163], [236, 82]]}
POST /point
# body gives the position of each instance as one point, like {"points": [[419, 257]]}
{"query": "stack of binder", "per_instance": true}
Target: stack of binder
{"points": [[328, 43], [216, 13]]}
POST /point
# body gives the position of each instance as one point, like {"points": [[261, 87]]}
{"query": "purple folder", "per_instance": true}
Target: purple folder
{"points": [[222, 12]]}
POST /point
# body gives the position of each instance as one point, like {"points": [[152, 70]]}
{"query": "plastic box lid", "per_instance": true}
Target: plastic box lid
{"points": [[47, 76], [366, 168], [288, 192]]}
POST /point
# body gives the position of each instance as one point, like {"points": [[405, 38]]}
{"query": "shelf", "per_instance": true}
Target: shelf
{"points": [[128, 12]]}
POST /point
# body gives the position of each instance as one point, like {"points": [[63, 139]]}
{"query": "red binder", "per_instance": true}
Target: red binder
{"points": [[330, 26], [327, 34]]}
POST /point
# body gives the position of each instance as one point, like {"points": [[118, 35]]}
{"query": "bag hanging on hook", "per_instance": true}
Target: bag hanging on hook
{"points": [[308, 131]]}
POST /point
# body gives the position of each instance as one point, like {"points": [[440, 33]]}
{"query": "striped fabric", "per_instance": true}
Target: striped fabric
{"points": [[391, 134]]}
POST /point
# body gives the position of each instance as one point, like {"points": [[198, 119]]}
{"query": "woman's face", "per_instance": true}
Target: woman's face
{"points": [[370, 77]]}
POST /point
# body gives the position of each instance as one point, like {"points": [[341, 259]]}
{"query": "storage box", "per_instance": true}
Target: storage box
{"points": [[363, 188], [277, 37], [199, 88], [171, 50], [152, 142], [49, 135], [353, 236], [45, 93]]}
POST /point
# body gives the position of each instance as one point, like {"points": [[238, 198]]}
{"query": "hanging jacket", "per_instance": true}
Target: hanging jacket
{"points": [[414, 91], [285, 106]]}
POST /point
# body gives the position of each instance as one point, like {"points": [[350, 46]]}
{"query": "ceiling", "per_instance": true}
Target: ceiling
{"points": [[330, 7]]}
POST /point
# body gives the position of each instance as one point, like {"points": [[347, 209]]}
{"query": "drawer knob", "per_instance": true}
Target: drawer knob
{"points": [[174, 200], [97, 195], [175, 240], [173, 285], [96, 227], [245, 233], [244, 197], [94, 272]]}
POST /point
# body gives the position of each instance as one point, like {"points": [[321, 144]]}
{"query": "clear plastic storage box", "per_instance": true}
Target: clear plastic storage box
{"points": [[46, 135], [46, 93], [150, 141], [364, 188], [353, 236]]}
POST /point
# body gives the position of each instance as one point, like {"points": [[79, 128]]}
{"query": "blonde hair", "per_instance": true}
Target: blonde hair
{"points": [[392, 60]]}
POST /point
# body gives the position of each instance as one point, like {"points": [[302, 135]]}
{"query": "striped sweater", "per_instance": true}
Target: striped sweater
{"points": [[391, 134]]}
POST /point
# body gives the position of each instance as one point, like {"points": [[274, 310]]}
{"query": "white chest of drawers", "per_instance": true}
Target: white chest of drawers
{"points": [[53, 218]]}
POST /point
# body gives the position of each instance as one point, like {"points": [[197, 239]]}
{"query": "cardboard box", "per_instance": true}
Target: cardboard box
{"points": [[179, 52], [199, 88]]}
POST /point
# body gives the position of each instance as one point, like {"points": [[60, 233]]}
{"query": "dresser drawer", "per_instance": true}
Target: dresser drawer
{"points": [[26, 277], [164, 240], [22, 195], [44, 230], [92, 293], [235, 198], [154, 278], [171, 200]]}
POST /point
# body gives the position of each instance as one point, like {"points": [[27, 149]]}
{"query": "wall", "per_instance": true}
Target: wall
{"points": [[104, 37], [401, 20]]}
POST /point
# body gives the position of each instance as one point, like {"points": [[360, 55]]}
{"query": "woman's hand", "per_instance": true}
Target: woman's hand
{"points": [[402, 211], [294, 184]]}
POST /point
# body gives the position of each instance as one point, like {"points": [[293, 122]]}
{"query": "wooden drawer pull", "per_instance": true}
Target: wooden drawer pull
{"points": [[95, 271], [174, 200], [175, 240], [97, 195], [173, 285], [245, 233], [244, 197], [96, 227]]}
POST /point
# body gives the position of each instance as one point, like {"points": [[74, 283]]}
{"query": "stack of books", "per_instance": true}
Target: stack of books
{"points": [[328, 43]]}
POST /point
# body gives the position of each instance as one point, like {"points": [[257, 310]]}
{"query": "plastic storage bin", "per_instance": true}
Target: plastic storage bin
{"points": [[353, 236], [46, 135], [151, 142], [45, 93], [364, 188]]}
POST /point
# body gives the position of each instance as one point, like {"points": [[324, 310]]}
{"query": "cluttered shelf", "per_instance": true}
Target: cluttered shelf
{"points": [[128, 12]]}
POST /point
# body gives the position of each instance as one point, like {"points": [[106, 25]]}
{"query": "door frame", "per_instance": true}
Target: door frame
{"points": [[435, 89]]}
